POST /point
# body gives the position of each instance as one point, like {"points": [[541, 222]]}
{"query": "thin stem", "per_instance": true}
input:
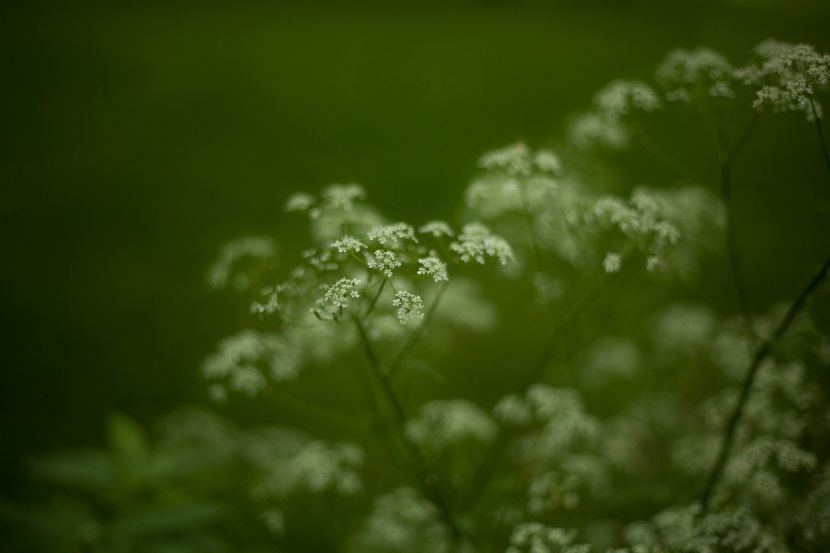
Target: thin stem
{"points": [[321, 414], [760, 355], [426, 476], [415, 337], [537, 252], [743, 140], [820, 134], [732, 243], [496, 449]]}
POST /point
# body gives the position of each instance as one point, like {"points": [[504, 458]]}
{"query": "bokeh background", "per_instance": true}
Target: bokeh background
{"points": [[136, 138]]}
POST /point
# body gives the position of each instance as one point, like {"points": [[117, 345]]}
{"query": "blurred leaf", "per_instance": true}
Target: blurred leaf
{"points": [[162, 520], [172, 465], [127, 438], [63, 525], [89, 470], [421, 367]]}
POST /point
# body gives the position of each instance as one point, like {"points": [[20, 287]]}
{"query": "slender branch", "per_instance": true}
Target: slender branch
{"points": [[426, 476], [760, 355], [817, 119], [496, 449], [537, 251], [732, 243], [321, 414], [415, 337], [743, 140]]}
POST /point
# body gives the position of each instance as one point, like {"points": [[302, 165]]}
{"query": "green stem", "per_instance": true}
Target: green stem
{"points": [[494, 452], [415, 337], [426, 476], [760, 355], [820, 135]]}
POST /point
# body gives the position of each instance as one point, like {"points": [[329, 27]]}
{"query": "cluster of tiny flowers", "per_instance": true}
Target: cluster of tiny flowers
{"points": [[612, 262], [689, 529], [534, 537], [688, 75], [238, 358], [477, 242], [789, 77], [559, 409], [404, 522], [409, 305], [337, 296], [316, 468], [436, 229], [300, 202], [640, 221], [348, 244], [442, 423], [394, 235], [221, 272], [342, 196], [518, 160], [604, 125], [433, 267], [384, 261]]}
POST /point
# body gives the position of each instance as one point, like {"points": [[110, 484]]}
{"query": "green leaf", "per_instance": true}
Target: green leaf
{"points": [[421, 367], [89, 470], [166, 519], [127, 439]]}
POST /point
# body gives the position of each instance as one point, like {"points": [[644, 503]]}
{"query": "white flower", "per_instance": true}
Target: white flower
{"points": [[409, 305], [437, 229], [393, 234], [342, 197], [300, 202], [337, 296], [442, 423], [476, 241], [612, 262], [385, 261], [348, 244], [433, 267]]}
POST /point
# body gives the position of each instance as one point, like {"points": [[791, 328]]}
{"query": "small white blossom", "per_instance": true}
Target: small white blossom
{"points": [[409, 305], [300, 202], [342, 197], [224, 269], [348, 244], [547, 162], [790, 76], [513, 160], [384, 261], [393, 234], [442, 423], [337, 295], [476, 241], [437, 229], [239, 357], [688, 75], [534, 537], [433, 267], [612, 262]]}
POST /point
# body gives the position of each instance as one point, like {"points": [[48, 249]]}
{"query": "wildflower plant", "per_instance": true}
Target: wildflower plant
{"points": [[730, 409], [638, 423]]}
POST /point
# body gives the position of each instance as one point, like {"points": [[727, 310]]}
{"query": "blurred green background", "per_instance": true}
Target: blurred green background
{"points": [[136, 139]]}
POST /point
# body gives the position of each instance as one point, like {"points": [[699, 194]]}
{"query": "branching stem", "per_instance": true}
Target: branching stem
{"points": [[760, 355]]}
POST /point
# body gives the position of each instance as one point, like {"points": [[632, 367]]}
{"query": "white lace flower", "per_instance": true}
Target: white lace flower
{"points": [[437, 229], [348, 244], [384, 261], [433, 267], [476, 241], [393, 234], [409, 305]]}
